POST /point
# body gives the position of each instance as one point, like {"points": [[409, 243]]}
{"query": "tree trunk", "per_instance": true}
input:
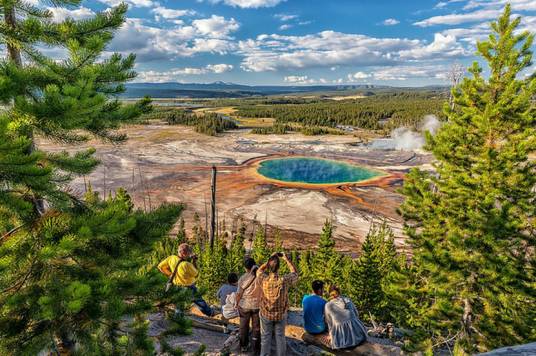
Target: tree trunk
{"points": [[14, 54], [64, 346], [11, 22], [467, 318], [213, 207]]}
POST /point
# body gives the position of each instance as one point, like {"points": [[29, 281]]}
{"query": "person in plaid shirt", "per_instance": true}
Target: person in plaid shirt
{"points": [[274, 302]]}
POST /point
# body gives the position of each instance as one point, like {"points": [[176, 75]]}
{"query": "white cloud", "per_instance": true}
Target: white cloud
{"points": [[455, 19], [517, 5], [174, 75], [402, 73], [290, 21], [219, 68], [168, 14], [212, 45], [216, 26], [133, 3], [443, 4], [478, 10], [390, 22], [60, 14], [285, 26], [249, 4], [330, 49], [153, 43], [358, 76], [285, 17], [295, 79], [447, 45], [480, 32]]}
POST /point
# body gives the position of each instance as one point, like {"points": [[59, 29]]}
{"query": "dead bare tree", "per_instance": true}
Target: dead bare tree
{"points": [[266, 224], [213, 207], [144, 192], [455, 76], [206, 217]]}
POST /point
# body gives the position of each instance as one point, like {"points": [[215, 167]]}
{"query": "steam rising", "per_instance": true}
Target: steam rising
{"points": [[405, 139]]}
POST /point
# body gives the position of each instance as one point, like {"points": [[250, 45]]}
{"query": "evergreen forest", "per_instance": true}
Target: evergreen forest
{"points": [[78, 273]]}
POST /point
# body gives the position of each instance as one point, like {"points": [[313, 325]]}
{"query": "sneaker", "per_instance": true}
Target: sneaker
{"points": [[244, 349]]}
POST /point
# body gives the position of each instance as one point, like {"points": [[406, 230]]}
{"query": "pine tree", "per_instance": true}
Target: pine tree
{"points": [[73, 94], [68, 281], [305, 270], [365, 287], [278, 241], [167, 246], [369, 274], [278, 247], [326, 262], [213, 268], [198, 234], [91, 197], [181, 233], [260, 251], [19, 166], [237, 251], [67, 265], [122, 195], [471, 224]]}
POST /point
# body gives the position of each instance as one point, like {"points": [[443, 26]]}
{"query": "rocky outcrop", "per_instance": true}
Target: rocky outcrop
{"points": [[520, 350]]}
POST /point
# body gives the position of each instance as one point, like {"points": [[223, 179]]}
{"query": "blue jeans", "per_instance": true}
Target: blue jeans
{"points": [[200, 302], [276, 329]]}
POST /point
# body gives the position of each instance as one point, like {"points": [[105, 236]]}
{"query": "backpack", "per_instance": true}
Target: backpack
{"points": [[228, 310], [169, 282]]}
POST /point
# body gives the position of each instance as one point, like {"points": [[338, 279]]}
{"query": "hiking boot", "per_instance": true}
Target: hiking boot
{"points": [[215, 310]]}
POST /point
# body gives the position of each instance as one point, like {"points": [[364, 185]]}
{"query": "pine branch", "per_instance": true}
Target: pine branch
{"points": [[11, 232]]}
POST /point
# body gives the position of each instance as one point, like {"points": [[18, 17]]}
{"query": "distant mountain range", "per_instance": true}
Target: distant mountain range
{"points": [[229, 90]]}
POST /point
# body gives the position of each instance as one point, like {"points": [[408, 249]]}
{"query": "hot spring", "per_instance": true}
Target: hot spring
{"points": [[314, 171]]}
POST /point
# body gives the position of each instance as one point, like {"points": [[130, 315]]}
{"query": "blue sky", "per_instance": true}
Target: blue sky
{"points": [[298, 42]]}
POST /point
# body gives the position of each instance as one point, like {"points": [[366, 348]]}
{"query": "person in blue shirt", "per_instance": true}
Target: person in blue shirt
{"points": [[313, 310]]}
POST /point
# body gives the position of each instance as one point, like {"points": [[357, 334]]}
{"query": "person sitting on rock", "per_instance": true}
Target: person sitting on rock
{"points": [[342, 319], [313, 309], [184, 271], [228, 288]]}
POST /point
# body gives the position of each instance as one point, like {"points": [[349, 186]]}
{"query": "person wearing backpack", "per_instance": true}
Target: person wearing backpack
{"points": [[247, 303], [182, 271]]}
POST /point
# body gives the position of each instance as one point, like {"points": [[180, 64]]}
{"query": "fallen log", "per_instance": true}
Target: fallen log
{"points": [[207, 319], [365, 349], [208, 326]]}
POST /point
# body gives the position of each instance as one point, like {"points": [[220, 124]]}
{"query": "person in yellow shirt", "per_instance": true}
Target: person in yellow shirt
{"points": [[186, 274]]}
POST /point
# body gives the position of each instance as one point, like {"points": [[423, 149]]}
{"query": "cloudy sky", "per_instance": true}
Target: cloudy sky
{"points": [[391, 42]]}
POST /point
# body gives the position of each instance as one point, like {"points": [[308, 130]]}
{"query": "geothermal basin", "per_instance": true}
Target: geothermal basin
{"points": [[311, 170], [172, 164]]}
